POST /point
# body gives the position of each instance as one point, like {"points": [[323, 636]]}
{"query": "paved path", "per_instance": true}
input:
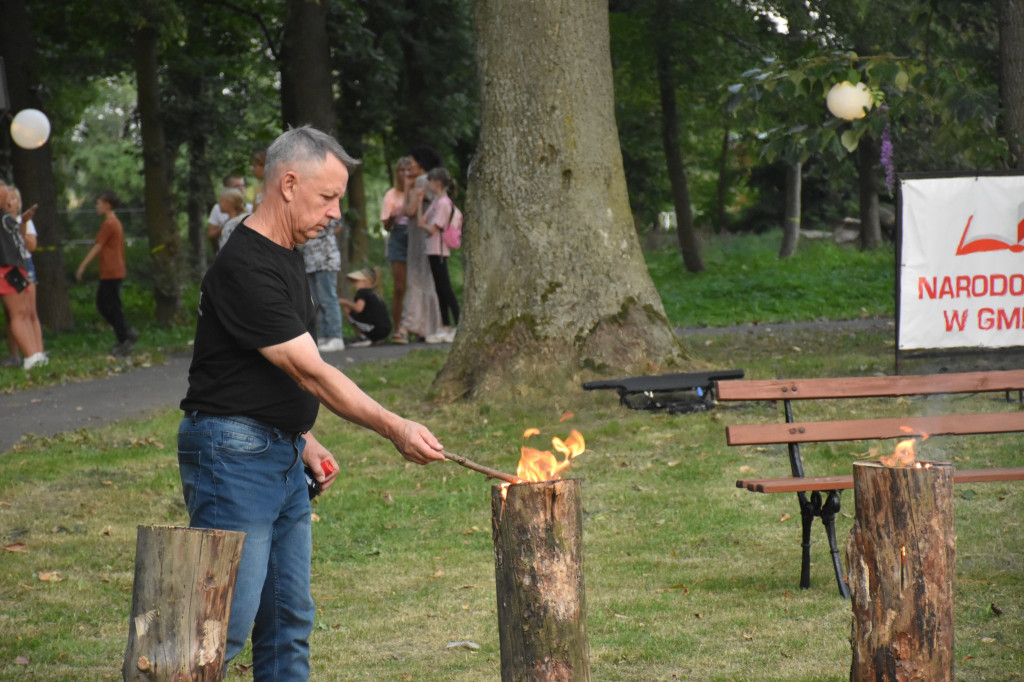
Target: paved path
{"points": [[140, 392], [136, 393]]}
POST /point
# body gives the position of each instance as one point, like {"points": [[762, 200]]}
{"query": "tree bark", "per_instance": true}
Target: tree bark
{"points": [[791, 220], [359, 242], [538, 567], [555, 279], [181, 601], [901, 554], [198, 204], [689, 247], [33, 169], [307, 94], [1011, 80], [867, 182], [161, 223]]}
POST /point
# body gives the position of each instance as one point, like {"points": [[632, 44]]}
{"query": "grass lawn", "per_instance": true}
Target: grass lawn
{"points": [[686, 576]]}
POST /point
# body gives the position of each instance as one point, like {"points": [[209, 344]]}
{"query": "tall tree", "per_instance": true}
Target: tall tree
{"points": [[1011, 76], [157, 168], [662, 19], [307, 94], [555, 277], [33, 169]]}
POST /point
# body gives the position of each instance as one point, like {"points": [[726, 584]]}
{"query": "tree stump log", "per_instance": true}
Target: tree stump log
{"points": [[538, 565], [901, 555], [181, 601]]}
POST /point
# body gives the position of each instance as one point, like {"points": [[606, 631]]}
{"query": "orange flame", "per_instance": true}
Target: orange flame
{"points": [[541, 465], [904, 453]]}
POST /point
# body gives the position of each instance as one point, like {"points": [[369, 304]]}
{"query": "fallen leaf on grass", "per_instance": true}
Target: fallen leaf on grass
{"points": [[21, 660], [314, 517], [50, 577], [988, 640], [16, 547], [4, 503], [462, 644], [568, 415], [683, 589], [744, 469], [784, 518], [996, 610]]}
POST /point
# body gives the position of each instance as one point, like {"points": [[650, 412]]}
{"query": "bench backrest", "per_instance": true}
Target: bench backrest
{"points": [[793, 432], [871, 387]]}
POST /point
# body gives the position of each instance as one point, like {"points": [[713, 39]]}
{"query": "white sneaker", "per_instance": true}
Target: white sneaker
{"points": [[36, 360], [361, 343], [450, 335], [331, 345], [436, 338]]}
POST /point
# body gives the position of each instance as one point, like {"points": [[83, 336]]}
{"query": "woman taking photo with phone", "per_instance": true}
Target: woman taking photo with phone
{"points": [[14, 288]]}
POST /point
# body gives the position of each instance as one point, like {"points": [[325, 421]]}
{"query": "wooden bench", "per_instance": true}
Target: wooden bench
{"points": [[794, 433], [680, 392]]}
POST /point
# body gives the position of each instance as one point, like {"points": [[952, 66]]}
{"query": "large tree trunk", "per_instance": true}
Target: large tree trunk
{"points": [[306, 85], [687, 235], [165, 249], [33, 169], [1011, 80], [867, 182], [555, 279], [791, 220]]}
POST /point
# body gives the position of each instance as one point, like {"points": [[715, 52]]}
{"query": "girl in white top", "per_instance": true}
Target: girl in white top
{"points": [[434, 221]]}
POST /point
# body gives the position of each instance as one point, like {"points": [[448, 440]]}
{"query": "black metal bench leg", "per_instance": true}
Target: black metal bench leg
{"points": [[807, 514], [828, 518]]}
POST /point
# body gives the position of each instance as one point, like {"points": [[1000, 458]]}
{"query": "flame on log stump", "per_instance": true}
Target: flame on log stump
{"points": [[901, 553], [181, 601], [538, 565]]}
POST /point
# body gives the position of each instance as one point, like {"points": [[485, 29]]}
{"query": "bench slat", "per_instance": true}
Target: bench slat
{"points": [[823, 483], [870, 429], [868, 387]]}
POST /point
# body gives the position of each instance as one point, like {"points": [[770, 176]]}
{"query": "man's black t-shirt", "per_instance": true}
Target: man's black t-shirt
{"points": [[254, 295], [374, 322]]}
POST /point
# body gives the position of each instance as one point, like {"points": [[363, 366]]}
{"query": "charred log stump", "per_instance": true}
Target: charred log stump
{"points": [[538, 565], [901, 555], [181, 601]]}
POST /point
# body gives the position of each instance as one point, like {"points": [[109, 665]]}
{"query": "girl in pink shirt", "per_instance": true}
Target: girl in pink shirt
{"points": [[434, 221]]}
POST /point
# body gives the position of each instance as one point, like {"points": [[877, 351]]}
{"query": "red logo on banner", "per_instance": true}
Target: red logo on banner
{"points": [[989, 242]]}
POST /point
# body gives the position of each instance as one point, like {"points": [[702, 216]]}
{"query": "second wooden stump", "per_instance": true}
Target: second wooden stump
{"points": [[538, 566], [901, 555]]}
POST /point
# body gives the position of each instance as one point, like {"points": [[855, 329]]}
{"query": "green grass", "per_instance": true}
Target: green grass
{"points": [[745, 281], [686, 576]]}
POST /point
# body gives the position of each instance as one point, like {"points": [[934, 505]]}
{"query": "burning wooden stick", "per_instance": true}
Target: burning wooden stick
{"points": [[493, 473]]}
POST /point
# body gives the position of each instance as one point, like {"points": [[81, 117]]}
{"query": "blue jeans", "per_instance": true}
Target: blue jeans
{"points": [[239, 474], [324, 286]]}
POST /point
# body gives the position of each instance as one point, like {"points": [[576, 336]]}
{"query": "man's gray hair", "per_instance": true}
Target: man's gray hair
{"points": [[305, 144]]}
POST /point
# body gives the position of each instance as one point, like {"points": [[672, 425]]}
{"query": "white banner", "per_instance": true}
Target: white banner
{"points": [[962, 262]]}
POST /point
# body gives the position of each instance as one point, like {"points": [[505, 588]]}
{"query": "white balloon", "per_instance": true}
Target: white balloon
{"points": [[30, 129], [848, 101]]}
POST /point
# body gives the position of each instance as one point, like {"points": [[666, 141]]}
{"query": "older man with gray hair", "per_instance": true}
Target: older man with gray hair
{"points": [[255, 386]]}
